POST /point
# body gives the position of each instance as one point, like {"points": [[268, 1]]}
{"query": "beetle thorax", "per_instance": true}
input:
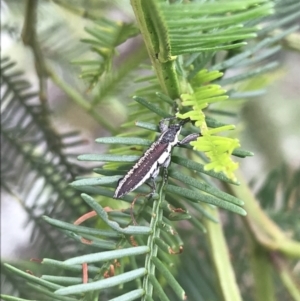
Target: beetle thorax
{"points": [[170, 136]]}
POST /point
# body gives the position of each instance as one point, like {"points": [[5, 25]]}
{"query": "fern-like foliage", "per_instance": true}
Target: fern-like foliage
{"points": [[190, 74], [218, 149], [282, 186], [106, 36], [191, 34], [279, 196], [35, 164]]}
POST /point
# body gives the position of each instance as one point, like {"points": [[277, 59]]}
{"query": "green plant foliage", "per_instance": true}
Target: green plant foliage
{"points": [[23, 132], [106, 36], [218, 149], [282, 184], [211, 26], [35, 170], [130, 251]]}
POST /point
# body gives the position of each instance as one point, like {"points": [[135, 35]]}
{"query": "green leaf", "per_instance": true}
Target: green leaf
{"points": [[170, 278], [102, 284], [108, 158], [106, 256], [133, 295], [106, 36], [192, 165], [73, 268], [63, 280], [152, 107], [220, 255], [124, 140], [192, 27], [31, 278], [205, 187], [250, 74], [200, 197], [96, 181], [11, 298], [147, 126], [44, 292], [158, 288], [93, 241], [242, 153], [81, 229], [130, 230]]}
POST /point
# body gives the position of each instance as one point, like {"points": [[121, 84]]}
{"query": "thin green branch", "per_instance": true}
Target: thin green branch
{"points": [[29, 38], [79, 100], [11, 298], [288, 280], [114, 79], [157, 44], [220, 256], [261, 270], [157, 215], [46, 170], [265, 231]]}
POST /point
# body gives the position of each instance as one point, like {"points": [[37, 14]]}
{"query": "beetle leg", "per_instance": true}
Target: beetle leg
{"points": [[189, 138], [153, 187]]}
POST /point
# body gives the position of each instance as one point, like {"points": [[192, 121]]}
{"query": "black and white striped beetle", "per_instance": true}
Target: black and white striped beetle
{"points": [[157, 155]]}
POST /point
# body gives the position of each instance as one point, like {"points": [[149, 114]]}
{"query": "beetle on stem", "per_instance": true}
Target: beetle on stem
{"points": [[156, 156]]}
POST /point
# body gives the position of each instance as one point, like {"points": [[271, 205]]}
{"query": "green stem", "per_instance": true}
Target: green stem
{"points": [[291, 284], [155, 36], [78, 99], [157, 215], [220, 256], [266, 238], [43, 71], [262, 275], [29, 38], [261, 270], [129, 62]]}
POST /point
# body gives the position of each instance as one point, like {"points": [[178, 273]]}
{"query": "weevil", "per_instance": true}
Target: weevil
{"points": [[156, 156]]}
